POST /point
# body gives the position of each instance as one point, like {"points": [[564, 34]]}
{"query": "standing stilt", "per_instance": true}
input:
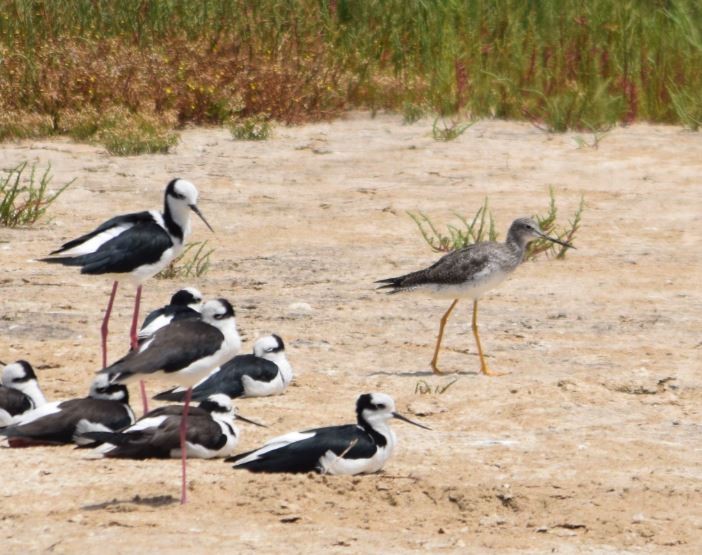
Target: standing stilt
{"points": [[105, 320]]}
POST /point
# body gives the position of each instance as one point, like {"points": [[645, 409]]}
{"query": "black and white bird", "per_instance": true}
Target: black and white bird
{"points": [[184, 352], [470, 272], [184, 304], [134, 247], [20, 391], [105, 409], [359, 448], [265, 372], [211, 433]]}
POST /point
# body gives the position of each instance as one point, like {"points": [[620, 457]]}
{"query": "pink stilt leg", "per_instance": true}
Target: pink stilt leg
{"points": [[105, 320], [183, 448], [135, 345], [135, 320]]}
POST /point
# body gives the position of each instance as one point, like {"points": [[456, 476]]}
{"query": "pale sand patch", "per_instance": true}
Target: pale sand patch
{"points": [[578, 449]]}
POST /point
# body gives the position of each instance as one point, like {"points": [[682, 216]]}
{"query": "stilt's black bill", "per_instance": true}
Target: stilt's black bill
{"points": [[244, 419], [195, 209], [404, 418], [554, 240]]}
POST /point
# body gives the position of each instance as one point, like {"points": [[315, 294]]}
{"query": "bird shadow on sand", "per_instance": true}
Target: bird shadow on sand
{"points": [[421, 373], [155, 501]]}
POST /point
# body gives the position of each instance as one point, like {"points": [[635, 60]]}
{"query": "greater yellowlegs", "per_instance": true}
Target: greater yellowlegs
{"points": [[469, 272]]}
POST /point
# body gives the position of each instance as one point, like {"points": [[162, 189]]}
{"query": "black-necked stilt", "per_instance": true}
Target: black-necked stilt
{"points": [[211, 433], [265, 372], [185, 303], [134, 246], [105, 409], [468, 273], [352, 449], [184, 351], [20, 391]]}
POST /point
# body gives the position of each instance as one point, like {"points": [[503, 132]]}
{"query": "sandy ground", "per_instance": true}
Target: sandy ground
{"points": [[592, 443]]}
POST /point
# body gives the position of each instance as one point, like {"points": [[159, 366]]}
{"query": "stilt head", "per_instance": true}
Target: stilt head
{"points": [[188, 296], [219, 403], [376, 408], [181, 195], [268, 345], [101, 388], [525, 230], [217, 311], [13, 375]]}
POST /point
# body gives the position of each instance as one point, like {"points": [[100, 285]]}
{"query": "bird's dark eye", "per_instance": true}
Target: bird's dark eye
{"points": [[219, 316], [178, 196], [381, 406]]}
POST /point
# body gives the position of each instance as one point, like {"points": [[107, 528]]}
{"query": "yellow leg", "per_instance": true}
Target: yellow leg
{"points": [[483, 365], [444, 319]]}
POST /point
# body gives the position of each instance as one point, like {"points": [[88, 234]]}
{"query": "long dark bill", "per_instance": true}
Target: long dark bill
{"points": [[553, 239], [195, 209], [404, 418], [244, 419]]}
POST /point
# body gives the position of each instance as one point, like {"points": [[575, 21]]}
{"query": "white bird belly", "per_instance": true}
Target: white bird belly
{"points": [[331, 463], [472, 289]]}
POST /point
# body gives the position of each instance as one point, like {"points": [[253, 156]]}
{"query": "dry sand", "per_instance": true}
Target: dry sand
{"points": [[592, 443]]}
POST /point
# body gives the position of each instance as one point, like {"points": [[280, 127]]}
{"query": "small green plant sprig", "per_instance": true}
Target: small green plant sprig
{"points": [[423, 387], [252, 128], [482, 228], [548, 224], [23, 200], [194, 261], [449, 131]]}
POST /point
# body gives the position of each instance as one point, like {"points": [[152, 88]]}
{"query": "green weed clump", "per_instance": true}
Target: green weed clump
{"points": [[252, 128], [24, 194], [481, 227], [126, 134], [449, 131], [193, 262]]}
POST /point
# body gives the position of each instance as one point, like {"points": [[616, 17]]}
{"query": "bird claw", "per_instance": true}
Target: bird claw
{"points": [[485, 370]]}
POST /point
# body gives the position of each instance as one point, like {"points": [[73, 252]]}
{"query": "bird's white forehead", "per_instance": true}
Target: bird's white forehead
{"points": [[221, 400], [100, 381], [213, 307], [383, 399], [265, 342], [12, 372], [187, 189]]}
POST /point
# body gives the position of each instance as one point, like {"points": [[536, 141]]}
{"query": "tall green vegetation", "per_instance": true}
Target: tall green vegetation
{"points": [[563, 64]]}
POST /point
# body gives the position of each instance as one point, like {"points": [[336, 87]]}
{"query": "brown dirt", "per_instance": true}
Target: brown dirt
{"points": [[591, 443]]}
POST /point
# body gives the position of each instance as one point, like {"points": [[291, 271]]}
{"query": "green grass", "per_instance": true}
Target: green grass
{"points": [[481, 227], [562, 64], [24, 194], [193, 262]]}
